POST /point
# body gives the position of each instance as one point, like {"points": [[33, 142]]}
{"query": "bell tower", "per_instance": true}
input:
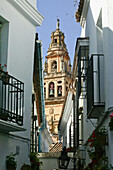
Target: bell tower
{"points": [[57, 78]]}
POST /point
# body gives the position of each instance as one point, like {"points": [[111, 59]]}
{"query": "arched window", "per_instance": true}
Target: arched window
{"points": [[55, 40], [59, 90], [53, 66], [44, 92], [51, 89]]}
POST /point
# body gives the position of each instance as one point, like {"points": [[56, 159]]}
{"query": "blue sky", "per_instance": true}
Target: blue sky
{"points": [[65, 11]]}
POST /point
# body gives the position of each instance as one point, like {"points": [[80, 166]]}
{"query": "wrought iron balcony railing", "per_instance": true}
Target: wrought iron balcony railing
{"points": [[11, 99], [95, 86]]}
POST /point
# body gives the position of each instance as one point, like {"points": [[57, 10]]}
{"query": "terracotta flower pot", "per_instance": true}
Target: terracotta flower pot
{"points": [[26, 167], [11, 167]]}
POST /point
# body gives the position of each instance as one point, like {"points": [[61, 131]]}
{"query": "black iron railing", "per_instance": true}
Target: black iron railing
{"points": [[95, 83], [11, 98]]}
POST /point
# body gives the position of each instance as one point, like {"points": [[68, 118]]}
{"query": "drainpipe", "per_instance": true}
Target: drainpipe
{"points": [[38, 44]]}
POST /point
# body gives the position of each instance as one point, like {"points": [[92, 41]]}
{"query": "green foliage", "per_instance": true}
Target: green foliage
{"points": [[35, 163], [100, 132], [10, 160], [96, 153], [101, 164]]}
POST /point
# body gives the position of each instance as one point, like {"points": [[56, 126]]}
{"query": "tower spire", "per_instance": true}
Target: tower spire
{"points": [[58, 23]]}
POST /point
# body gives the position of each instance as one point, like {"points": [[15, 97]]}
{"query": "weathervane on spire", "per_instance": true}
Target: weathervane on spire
{"points": [[58, 23]]}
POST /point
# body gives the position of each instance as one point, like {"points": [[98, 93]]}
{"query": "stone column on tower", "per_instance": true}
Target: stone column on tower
{"points": [[63, 88], [55, 88], [47, 90]]}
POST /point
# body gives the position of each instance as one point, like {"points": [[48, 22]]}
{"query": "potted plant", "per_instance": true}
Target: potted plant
{"points": [[101, 164], [11, 163], [101, 136], [1, 70], [4, 74], [111, 122], [35, 163], [96, 151], [98, 138], [5, 78]]}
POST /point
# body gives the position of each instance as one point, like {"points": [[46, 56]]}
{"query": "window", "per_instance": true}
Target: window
{"points": [[44, 92], [54, 66], [59, 90], [59, 82], [55, 40], [4, 30], [51, 89]]}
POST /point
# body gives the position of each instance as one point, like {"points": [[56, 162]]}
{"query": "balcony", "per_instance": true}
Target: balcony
{"points": [[95, 86], [11, 103]]}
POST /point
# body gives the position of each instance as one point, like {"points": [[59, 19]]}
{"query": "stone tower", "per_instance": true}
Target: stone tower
{"points": [[57, 78]]}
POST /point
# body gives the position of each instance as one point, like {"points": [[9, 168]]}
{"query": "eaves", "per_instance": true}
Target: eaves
{"points": [[28, 11]]}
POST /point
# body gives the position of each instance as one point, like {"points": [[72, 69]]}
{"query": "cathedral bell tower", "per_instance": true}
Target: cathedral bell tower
{"points": [[57, 78]]}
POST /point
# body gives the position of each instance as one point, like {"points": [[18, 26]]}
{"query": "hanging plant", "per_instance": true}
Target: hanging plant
{"points": [[96, 143], [98, 138]]}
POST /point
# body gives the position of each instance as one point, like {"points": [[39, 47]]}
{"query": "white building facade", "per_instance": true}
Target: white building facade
{"points": [[66, 121], [18, 22], [93, 68]]}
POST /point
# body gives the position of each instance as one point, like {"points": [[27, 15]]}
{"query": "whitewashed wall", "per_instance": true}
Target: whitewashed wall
{"points": [[101, 42], [66, 120], [19, 56], [46, 140]]}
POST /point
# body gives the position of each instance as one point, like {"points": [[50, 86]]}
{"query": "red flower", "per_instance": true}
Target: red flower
{"points": [[68, 149], [90, 140], [93, 135], [94, 161], [91, 145], [5, 65], [111, 115]]}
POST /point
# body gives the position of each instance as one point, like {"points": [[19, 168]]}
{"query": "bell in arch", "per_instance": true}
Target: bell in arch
{"points": [[51, 89]]}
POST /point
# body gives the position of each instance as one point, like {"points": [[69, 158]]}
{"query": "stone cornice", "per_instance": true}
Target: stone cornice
{"points": [[28, 11]]}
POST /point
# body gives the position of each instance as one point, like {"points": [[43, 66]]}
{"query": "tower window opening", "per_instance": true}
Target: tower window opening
{"points": [[59, 90], [54, 66], [55, 40], [51, 89], [59, 82], [44, 92]]}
